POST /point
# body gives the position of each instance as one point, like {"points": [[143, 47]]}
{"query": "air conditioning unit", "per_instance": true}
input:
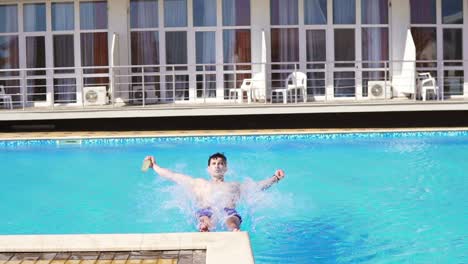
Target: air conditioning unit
{"points": [[150, 94], [95, 95], [379, 90]]}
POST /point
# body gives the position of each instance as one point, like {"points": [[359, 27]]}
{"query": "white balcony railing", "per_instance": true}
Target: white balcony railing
{"points": [[165, 85]]}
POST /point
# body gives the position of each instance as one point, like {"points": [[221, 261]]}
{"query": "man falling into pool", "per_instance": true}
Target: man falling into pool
{"points": [[215, 197]]}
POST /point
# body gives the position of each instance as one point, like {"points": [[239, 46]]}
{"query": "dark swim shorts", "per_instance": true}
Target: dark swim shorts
{"points": [[209, 212]]}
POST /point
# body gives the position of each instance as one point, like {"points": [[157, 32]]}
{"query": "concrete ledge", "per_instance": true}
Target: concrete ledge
{"points": [[221, 247], [226, 110]]}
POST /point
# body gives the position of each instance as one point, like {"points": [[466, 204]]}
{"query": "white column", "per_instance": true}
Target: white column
{"points": [[219, 51], [260, 21], [302, 38], [330, 40], [399, 24], [118, 14], [162, 50], [465, 49], [49, 59], [77, 54], [191, 52], [440, 45], [358, 49]]}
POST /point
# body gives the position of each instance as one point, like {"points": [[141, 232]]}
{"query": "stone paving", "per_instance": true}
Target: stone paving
{"points": [[121, 257]]}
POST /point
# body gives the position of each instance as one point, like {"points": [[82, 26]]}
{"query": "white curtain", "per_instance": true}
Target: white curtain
{"points": [[145, 48], [229, 12], [175, 13], [284, 12], [144, 13], [8, 18], [64, 91], [34, 17], [374, 11], [206, 47], [63, 16], [229, 45], [204, 13], [236, 12], [93, 15], [344, 11], [315, 12]]}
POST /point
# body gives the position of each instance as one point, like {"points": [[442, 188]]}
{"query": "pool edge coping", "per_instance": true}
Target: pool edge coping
{"points": [[221, 247], [162, 134]]}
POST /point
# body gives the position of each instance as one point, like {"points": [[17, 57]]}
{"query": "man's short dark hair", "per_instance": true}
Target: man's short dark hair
{"points": [[216, 156]]}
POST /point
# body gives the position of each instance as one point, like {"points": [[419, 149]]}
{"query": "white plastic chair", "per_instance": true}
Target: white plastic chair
{"points": [[6, 98], [296, 81], [250, 86], [427, 83]]}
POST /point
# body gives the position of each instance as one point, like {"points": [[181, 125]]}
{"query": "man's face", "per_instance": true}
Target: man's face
{"points": [[217, 168]]}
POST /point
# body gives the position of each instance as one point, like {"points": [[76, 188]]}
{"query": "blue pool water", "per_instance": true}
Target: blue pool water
{"points": [[346, 198]]}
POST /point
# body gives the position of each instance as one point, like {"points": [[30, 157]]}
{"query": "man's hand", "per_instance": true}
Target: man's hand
{"points": [[152, 161], [279, 174]]}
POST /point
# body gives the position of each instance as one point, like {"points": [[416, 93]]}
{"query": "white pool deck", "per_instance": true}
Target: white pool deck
{"points": [[177, 110], [221, 247]]}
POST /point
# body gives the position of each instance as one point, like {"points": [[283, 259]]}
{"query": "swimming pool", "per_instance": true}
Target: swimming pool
{"points": [[347, 198]]}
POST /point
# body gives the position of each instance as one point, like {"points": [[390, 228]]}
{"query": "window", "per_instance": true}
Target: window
{"points": [[145, 48], [93, 15], [35, 52], [452, 11], [344, 11], [284, 12], [94, 50], [236, 12], [344, 45], [453, 47], [284, 45], [176, 47], [204, 13], [315, 12], [375, 44], [425, 42], [453, 82], [143, 13], [316, 45], [63, 16], [374, 11], [34, 17], [9, 52], [175, 13], [8, 18], [236, 46], [64, 90], [205, 47], [64, 51], [316, 53], [423, 11]]}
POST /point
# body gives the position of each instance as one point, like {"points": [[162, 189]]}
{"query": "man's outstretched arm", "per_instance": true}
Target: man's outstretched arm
{"points": [[168, 174], [265, 184]]}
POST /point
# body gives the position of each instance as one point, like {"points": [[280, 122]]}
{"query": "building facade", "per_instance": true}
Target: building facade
{"points": [[160, 51]]}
